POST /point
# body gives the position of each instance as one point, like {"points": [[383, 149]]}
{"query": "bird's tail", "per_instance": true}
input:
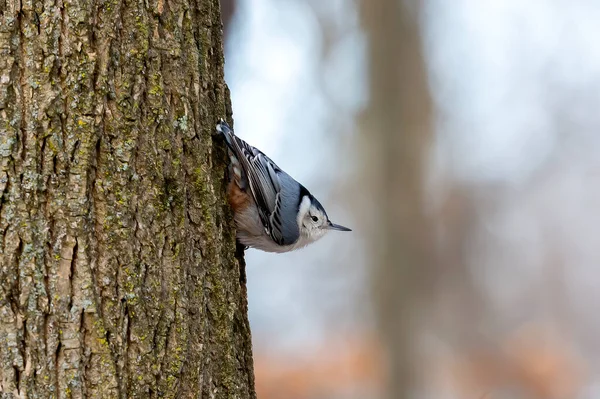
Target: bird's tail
{"points": [[225, 130], [235, 168]]}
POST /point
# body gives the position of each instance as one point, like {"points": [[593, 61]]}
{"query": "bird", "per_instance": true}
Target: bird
{"points": [[272, 211]]}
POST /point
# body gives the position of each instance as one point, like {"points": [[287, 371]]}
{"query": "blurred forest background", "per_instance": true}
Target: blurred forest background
{"points": [[460, 140]]}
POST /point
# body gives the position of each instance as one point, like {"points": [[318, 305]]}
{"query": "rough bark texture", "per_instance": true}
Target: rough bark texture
{"points": [[117, 270]]}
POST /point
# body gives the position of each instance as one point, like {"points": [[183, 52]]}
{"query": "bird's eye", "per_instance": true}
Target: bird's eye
{"points": [[314, 218]]}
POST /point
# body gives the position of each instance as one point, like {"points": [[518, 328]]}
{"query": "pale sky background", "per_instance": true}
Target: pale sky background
{"points": [[272, 68], [517, 86]]}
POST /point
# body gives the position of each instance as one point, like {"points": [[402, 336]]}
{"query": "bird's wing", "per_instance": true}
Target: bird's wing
{"points": [[263, 178]]}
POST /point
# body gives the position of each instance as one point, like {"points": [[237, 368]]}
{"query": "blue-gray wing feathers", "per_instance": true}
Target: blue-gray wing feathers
{"points": [[274, 191]]}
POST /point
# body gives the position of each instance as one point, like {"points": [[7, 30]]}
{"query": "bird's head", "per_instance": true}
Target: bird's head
{"points": [[313, 220]]}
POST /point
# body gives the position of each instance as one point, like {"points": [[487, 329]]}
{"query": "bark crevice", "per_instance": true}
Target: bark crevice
{"points": [[118, 267]]}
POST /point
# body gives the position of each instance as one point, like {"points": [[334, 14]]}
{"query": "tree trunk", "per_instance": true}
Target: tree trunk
{"points": [[117, 251], [397, 129]]}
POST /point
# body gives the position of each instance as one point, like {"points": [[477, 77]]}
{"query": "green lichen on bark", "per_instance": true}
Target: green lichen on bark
{"points": [[117, 249]]}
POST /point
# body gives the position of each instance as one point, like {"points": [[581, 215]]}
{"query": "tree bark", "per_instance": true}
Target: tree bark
{"points": [[117, 250]]}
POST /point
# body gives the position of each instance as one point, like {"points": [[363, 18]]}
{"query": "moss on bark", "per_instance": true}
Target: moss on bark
{"points": [[117, 267]]}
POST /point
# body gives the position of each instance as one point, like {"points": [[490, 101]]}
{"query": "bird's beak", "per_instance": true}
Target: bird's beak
{"points": [[333, 226]]}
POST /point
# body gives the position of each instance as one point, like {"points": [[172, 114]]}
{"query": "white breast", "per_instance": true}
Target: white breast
{"points": [[251, 232]]}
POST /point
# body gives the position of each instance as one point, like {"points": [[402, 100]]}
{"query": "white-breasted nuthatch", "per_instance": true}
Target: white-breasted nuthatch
{"points": [[272, 211]]}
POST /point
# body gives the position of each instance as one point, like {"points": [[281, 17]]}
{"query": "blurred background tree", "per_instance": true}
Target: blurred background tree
{"points": [[396, 131], [488, 120]]}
